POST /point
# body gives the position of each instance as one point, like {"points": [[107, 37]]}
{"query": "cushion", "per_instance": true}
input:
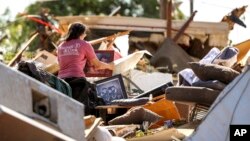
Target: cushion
{"points": [[213, 84], [207, 72], [199, 95], [136, 115], [130, 102]]}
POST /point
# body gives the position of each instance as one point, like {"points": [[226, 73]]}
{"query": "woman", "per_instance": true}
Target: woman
{"points": [[73, 54]]}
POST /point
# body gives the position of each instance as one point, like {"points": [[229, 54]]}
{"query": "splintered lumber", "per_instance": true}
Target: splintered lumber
{"points": [[19, 54], [234, 17], [90, 131], [96, 41], [184, 27]]}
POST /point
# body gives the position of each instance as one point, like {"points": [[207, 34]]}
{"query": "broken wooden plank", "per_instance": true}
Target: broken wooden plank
{"points": [[96, 41], [184, 27], [147, 23], [90, 131]]}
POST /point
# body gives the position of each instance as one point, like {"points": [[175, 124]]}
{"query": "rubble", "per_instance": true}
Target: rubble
{"points": [[142, 93]]}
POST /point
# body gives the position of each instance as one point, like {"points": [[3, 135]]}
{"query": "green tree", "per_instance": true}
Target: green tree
{"points": [[20, 29], [15, 31], [138, 8]]}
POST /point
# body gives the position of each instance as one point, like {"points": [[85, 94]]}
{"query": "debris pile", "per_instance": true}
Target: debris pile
{"points": [[158, 86]]}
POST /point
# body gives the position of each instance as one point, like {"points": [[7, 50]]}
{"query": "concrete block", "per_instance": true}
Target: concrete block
{"points": [[23, 93]]}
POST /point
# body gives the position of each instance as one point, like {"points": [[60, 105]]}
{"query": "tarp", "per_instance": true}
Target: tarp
{"points": [[171, 57], [231, 107]]}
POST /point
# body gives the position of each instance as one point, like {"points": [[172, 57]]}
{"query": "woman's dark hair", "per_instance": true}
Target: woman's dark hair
{"points": [[75, 31]]}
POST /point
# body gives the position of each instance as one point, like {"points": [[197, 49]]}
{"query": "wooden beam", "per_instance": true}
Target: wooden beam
{"points": [[184, 27], [139, 24], [169, 18]]}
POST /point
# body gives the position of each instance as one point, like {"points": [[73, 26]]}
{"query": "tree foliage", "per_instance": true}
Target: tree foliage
{"points": [[20, 30], [138, 8]]}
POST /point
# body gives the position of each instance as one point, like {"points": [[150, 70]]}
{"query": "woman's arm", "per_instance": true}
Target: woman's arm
{"points": [[99, 65]]}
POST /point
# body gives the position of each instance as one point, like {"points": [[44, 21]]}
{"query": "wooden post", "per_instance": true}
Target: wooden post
{"points": [[169, 18]]}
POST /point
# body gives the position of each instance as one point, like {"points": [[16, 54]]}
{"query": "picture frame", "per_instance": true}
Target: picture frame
{"points": [[106, 56], [111, 88]]}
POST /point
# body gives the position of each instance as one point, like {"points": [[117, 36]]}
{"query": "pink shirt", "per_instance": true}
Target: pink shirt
{"points": [[72, 58], [117, 55]]}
